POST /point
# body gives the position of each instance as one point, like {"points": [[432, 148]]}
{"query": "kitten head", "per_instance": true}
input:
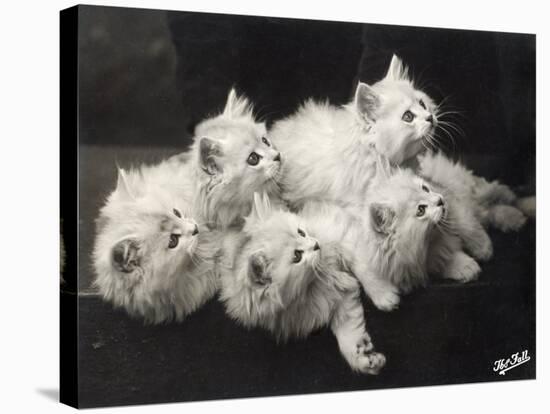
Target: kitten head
{"points": [[278, 261], [403, 210], [404, 203], [235, 158], [144, 243], [400, 116]]}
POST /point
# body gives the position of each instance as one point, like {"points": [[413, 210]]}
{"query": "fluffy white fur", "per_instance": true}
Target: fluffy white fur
{"points": [[263, 284], [221, 152], [148, 257], [387, 244], [492, 203], [327, 148]]}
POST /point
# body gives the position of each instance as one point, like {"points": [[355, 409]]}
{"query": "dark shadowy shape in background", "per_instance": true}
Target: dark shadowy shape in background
{"points": [[278, 63], [148, 76]]}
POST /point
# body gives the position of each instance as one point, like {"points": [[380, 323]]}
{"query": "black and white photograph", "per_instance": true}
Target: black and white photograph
{"points": [[256, 206]]}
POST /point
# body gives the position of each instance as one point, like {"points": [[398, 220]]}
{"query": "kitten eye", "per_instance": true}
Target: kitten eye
{"points": [[253, 159], [266, 142], [301, 233], [297, 256], [421, 210], [422, 104], [408, 116], [425, 188], [177, 212], [174, 240]]}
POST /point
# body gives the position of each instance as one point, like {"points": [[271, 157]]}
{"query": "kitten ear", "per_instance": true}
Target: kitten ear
{"points": [[208, 150], [262, 206], [258, 272], [236, 106], [126, 255], [122, 187], [397, 70], [366, 101], [382, 217]]}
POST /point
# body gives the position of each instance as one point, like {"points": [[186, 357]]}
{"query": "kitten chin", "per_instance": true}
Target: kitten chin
{"points": [[233, 157], [150, 256], [327, 148]]}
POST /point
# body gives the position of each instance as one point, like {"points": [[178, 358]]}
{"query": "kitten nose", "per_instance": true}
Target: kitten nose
{"points": [[316, 246], [277, 157], [440, 202], [195, 230], [430, 119]]}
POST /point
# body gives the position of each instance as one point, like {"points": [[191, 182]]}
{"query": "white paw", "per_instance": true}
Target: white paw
{"points": [[366, 360], [462, 268], [507, 218], [386, 300], [482, 247]]}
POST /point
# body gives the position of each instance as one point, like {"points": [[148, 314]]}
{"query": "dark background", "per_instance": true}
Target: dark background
{"points": [[149, 76], [146, 77]]}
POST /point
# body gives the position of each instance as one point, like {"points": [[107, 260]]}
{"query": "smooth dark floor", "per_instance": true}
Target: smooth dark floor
{"points": [[444, 334]]}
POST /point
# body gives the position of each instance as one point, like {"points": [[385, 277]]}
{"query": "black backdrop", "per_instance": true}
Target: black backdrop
{"points": [[148, 76]]}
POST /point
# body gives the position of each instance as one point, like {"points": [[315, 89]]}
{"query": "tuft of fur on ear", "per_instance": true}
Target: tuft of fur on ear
{"points": [[397, 70], [208, 150], [382, 217], [126, 255], [262, 206], [237, 106], [122, 187], [366, 101], [258, 269]]}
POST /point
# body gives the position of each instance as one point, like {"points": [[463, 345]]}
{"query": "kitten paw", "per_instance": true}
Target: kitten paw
{"points": [[462, 268], [485, 251], [360, 355], [368, 361], [507, 218], [480, 246], [387, 300]]}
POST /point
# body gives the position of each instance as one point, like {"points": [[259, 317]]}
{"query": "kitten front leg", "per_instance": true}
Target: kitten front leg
{"points": [[461, 268], [382, 292], [477, 241], [348, 325]]}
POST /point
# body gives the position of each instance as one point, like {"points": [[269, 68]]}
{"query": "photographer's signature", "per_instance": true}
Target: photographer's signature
{"points": [[503, 365]]}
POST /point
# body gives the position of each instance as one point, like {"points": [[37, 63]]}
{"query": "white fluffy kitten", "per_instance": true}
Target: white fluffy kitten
{"points": [[233, 159], [397, 237], [276, 276], [492, 203], [327, 149], [150, 256]]}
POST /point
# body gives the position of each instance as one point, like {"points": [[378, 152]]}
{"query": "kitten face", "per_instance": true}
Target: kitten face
{"points": [[244, 157], [145, 238], [407, 207], [400, 115], [234, 147], [235, 158], [281, 260]]}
